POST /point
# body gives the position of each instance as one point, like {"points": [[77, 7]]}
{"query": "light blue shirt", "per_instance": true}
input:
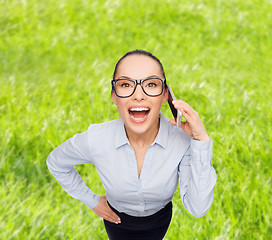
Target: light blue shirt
{"points": [[172, 156]]}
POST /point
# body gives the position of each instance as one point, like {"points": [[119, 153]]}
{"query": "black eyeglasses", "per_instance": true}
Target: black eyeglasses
{"points": [[152, 86]]}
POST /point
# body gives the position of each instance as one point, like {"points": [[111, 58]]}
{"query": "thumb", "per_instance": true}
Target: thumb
{"points": [[173, 122]]}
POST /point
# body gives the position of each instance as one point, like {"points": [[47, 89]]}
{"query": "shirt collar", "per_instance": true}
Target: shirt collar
{"points": [[161, 139], [162, 136], [121, 136]]}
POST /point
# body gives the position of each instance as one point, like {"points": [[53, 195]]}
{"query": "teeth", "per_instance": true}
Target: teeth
{"points": [[139, 119], [139, 109]]}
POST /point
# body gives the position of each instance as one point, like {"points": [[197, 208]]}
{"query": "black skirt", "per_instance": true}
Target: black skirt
{"points": [[152, 227]]}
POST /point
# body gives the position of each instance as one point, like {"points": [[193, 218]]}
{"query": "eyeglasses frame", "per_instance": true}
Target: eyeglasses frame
{"points": [[138, 82]]}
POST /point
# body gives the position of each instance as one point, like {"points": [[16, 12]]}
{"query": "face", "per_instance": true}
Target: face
{"points": [[139, 112]]}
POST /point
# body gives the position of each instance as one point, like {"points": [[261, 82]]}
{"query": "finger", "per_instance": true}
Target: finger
{"points": [[109, 219], [189, 112], [181, 102], [186, 108], [113, 215], [107, 216], [181, 105], [185, 115], [173, 122]]}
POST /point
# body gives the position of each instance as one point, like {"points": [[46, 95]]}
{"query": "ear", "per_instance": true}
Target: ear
{"points": [[113, 96], [165, 96]]}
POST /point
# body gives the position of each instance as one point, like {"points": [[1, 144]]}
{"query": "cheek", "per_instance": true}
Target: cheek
{"points": [[157, 104], [121, 107]]}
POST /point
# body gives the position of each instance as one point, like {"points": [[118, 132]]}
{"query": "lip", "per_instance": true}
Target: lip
{"points": [[138, 106], [139, 120]]}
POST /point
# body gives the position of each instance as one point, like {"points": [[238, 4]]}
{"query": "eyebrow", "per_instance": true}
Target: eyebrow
{"points": [[133, 78]]}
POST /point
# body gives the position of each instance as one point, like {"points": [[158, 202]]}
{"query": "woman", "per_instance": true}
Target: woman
{"points": [[140, 156]]}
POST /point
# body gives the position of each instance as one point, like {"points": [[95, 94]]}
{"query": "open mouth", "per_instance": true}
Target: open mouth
{"points": [[139, 113]]}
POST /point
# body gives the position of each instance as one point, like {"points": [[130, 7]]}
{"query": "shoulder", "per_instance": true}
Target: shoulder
{"points": [[104, 126], [100, 137], [104, 133]]}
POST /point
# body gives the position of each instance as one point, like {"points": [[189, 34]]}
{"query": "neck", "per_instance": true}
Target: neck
{"points": [[143, 140]]}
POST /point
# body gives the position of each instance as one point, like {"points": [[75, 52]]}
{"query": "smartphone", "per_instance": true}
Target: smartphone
{"points": [[176, 113]]}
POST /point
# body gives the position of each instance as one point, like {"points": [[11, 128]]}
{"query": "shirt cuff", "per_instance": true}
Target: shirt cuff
{"points": [[201, 151], [90, 200]]}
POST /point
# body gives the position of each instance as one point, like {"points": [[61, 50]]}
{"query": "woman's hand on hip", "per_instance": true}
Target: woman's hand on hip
{"points": [[103, 210], [193, 125]]}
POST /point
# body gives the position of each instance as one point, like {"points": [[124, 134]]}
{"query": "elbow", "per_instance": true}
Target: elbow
{"points": [[50, 163], [199, 207], [47, 161], [203, 206], [199, 214]]}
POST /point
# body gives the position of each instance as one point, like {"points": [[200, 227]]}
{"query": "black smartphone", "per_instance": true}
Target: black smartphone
{"points": [[176, 113]]}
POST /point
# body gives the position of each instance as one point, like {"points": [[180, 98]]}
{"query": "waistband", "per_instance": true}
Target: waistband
{"points": [[158, 219]]}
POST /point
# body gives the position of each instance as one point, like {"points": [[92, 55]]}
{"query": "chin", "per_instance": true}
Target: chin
{"points": [[141, 125]]}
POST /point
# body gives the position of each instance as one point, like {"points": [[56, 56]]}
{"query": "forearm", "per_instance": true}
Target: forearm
{"points": [[198, 179], [199, 195], [61, 162], [74, 185]]}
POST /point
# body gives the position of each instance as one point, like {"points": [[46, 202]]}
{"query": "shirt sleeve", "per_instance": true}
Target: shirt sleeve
{"points": [[197, 177], [61, 162]]}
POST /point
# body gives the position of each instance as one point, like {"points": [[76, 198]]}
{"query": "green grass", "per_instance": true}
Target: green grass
{"points": [[56, 60]]}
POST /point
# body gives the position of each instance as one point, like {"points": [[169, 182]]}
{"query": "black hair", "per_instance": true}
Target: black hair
{"points": [[140, 52]]}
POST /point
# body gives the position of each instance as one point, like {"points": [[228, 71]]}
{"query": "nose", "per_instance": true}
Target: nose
{"points": [[139, 93]]}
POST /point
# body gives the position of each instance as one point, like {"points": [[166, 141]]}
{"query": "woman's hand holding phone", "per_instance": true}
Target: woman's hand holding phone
{"points": [[193, 126]]}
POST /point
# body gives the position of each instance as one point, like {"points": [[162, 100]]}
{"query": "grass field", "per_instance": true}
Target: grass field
{"points": [[56, 62]]}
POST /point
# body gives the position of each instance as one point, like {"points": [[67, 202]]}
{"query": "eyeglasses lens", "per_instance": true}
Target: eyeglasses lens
{"points": [[152, 87]]}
